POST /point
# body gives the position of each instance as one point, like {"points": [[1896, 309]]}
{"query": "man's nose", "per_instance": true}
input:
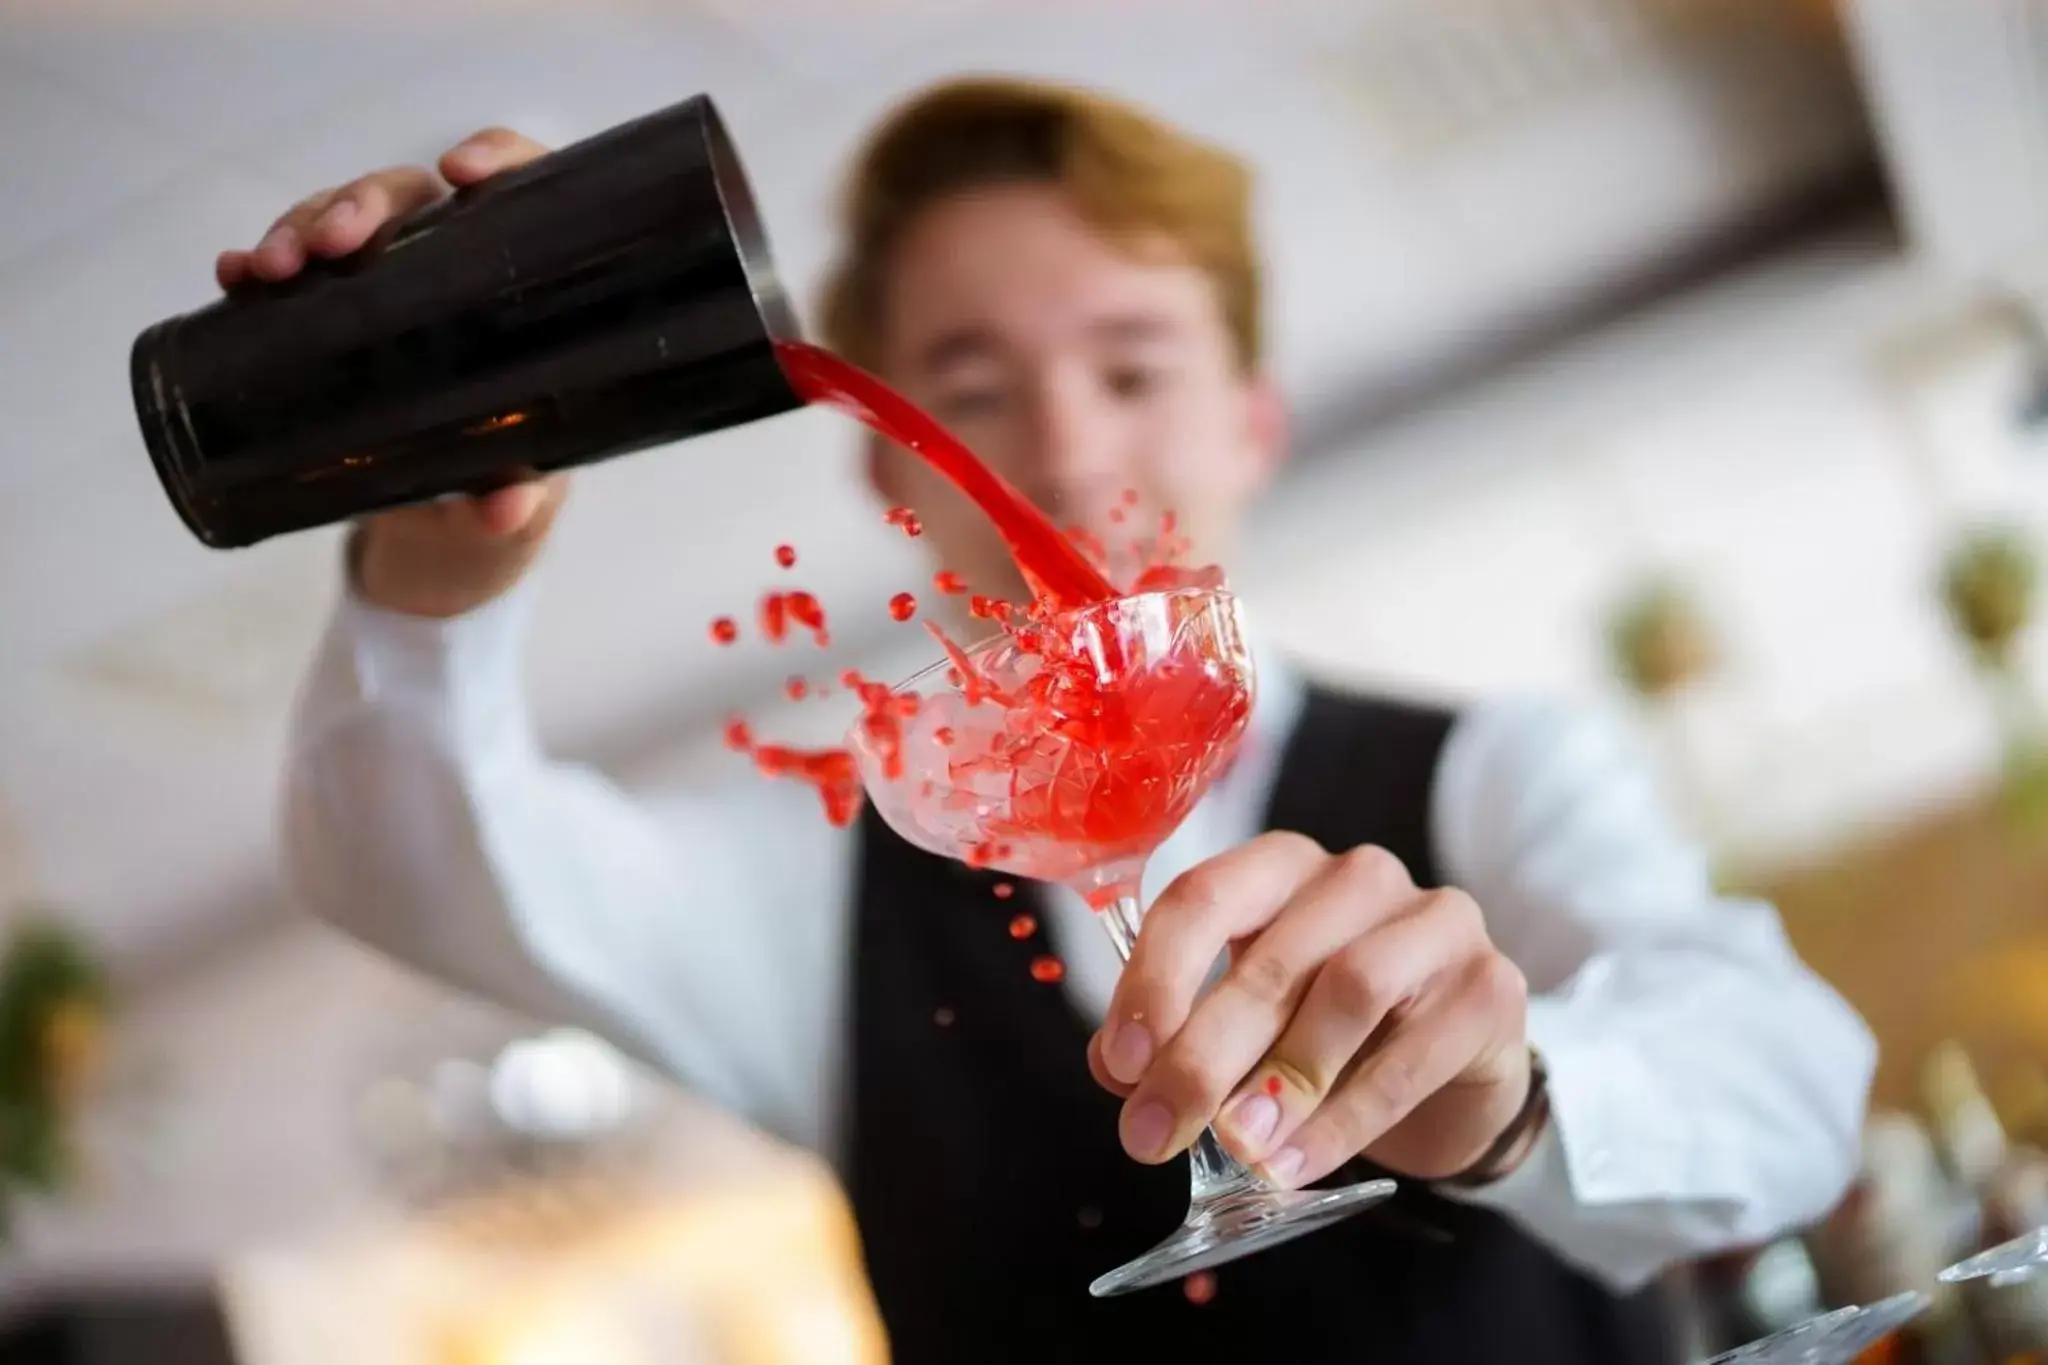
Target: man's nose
{"points": [[1078, 448]]}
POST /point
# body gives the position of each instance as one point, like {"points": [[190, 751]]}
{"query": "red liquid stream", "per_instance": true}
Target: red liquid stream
{"points": [[1055, 570]]}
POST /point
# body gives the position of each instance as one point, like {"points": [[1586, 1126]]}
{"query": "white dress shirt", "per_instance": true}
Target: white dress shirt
{"points": [[1708, 1090]]}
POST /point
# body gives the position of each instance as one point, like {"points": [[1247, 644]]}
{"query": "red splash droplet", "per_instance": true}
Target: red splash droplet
{"points": [[724, 631], [805, 611], [739, 736], [1273, 1086], [903, 606], [1130, 497], [1047, 969], [1024, 927], [775, 617], [785, 555], [904, 520], [1116, 516], [796, 688], [989, 608], [943, 736], [1199, 1287], [1005, 890], [948, 582]]}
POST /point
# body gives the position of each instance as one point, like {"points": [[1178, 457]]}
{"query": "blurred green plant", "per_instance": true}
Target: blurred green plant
{"points": [[1989, 585], [53, 1009], [1659, 640]]}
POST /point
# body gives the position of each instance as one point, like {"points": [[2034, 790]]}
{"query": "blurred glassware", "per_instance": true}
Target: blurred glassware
{"points": [[1834, 1338], [2022, 1258], [467, 1102]]}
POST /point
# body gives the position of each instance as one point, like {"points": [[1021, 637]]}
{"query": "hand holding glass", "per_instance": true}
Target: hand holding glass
{"points": [[1073, 772]]}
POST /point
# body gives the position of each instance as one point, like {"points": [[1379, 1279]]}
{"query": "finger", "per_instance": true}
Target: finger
{"points": [[353, 213], [1238, 1022], [484, 154], [1390, 968], [1421, 1054], [281, 253], [523, 509], [230, 268], [1100, 1071], [1184, 933]]}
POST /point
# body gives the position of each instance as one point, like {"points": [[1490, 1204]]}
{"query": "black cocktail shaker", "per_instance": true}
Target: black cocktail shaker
{"points": [[613, 295]]}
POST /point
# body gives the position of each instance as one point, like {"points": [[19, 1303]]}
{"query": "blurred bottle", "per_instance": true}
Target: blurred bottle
{"points": [[2007, 1189], [1894, 1232]]}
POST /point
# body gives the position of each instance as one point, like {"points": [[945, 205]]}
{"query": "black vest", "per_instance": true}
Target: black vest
{"points": [[990, 1187]]}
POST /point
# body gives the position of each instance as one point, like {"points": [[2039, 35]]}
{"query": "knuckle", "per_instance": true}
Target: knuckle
{"points": [[1292, 844], [1390, 1085], [1356, 981], [1498, 983], [498, 138], [1371, 868], [1264, 976], [391, 180], [1188, 1081], [1195, 894], [1453, 906]]}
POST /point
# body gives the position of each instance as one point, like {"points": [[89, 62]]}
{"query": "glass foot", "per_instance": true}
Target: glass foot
{"points": [[1239, 1224], [2006, 1263], [1835, 1338]]}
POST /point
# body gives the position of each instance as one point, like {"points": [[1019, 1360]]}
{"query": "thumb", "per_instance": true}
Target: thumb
{"points": [[518, 509]]}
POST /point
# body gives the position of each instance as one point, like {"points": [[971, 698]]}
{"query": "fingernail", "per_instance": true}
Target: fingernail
{"points": [[1147, 1129], [1283, 1166], [337, 215], [1128, 1049], [1255, 1118]]}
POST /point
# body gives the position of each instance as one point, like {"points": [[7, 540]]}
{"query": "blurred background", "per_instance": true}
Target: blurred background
{"points": [[1684, 355]]}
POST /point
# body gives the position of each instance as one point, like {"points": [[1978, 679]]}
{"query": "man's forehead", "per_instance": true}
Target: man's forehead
{"points": [[968, 341]]}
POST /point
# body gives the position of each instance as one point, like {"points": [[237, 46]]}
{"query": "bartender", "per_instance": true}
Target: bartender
{"points": [[1465, 947]]}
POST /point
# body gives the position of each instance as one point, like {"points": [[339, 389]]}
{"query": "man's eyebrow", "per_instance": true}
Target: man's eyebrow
{"points": [[961, 344], [1131, 327]]}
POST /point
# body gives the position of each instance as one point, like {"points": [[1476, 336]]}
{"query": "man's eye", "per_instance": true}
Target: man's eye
{"points": [[1133, 381], [966, 405]]}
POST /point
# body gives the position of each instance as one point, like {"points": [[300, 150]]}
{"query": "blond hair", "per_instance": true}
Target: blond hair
{"points": [[1128, 173]]}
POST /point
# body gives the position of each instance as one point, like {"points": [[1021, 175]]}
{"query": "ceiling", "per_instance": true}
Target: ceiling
{"points": [[1431, 174]]}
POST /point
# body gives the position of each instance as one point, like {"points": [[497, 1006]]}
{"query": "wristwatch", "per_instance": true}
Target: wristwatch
{"points": [[1493, 1164]]}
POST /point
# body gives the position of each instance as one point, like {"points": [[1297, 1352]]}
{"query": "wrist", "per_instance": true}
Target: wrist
{"points": [[1513, 1145], [392, 578]]}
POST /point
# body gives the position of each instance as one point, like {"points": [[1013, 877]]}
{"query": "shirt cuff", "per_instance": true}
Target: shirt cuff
{"points": [[462, 673], [1605, 1145]]}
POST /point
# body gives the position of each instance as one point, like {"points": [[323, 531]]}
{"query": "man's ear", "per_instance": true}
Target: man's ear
{"points": [[1267, 433], [885, 470]]}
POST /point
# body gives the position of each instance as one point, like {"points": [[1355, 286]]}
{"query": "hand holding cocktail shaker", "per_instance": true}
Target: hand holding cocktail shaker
{"points": [[614, 295]]}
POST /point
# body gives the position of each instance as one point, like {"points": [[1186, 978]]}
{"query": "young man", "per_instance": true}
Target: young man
{"points": [[1466, 945]]}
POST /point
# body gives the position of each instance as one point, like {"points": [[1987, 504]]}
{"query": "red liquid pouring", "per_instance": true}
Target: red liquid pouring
{"points": [[1054, 569], [1100, 759]]}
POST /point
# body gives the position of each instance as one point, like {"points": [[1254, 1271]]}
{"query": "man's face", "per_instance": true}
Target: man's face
{"points": [[1076, 367]]}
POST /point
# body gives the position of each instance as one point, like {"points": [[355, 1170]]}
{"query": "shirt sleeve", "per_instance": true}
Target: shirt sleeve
{"points": [[1707, 1089], [421, 817]]}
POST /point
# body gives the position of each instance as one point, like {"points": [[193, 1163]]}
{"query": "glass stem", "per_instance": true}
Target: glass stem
{"points": [[1217, 1174]]}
